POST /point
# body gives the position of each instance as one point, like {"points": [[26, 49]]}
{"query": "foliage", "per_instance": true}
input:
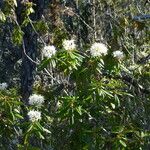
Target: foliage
{"points": [[90, 102]]}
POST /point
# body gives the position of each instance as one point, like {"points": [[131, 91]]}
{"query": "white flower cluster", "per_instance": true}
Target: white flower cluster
{"points": [[34, 115], [118, 54], [35, 99], [3, 86], [48, 51], [98, 49], [69, 44]]}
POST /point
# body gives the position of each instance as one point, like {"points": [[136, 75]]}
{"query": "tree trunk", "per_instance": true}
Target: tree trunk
{"points": [[30, 45]]}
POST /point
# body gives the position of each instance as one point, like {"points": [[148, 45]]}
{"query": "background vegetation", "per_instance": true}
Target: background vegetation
{"points": [[90, 103]]}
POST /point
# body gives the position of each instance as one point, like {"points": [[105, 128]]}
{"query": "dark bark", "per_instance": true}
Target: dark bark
{"points": [[30, 44], [28, 67]]}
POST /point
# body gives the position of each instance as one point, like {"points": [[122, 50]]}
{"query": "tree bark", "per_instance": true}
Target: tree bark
{"points": [[30, 47]]}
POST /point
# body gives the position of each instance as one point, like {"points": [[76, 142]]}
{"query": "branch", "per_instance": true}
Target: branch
{"points": [[128, 79], [24, 50], [134, 82], [144, 60], [141, 17]]}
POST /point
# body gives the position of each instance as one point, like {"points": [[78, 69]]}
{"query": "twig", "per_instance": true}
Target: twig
{"points": [[84, 22], [24, 50]]}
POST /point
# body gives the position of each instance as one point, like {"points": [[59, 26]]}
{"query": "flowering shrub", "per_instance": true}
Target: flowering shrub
{"points": [[118, 54], [48, 51], [88, 105], [98, 49], [88, 96], [3, 86], [35, 99], [34, 115], [69, 44]]}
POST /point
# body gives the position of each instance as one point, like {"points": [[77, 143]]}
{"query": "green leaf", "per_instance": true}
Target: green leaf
{"points": [[25, 22], [15, 2], [29, 11], [46, 130], [38, 125], [40, 135], [18, 116], [113, 105], [30, 128], [17, 35], [79, 110], [2, 16], [41, 27], [117, 100], [44, 63], [117, 129], [123, 143]]}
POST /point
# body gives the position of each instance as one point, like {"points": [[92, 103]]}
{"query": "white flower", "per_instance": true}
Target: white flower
{"points": [[34, 115], [98, 49], [48, 51], [69, 44], [118, 54], [3, 86], [35, 99], [58, 104]]}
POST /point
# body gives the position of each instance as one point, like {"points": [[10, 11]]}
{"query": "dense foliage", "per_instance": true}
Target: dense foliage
{"points": [[74, 74]]}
